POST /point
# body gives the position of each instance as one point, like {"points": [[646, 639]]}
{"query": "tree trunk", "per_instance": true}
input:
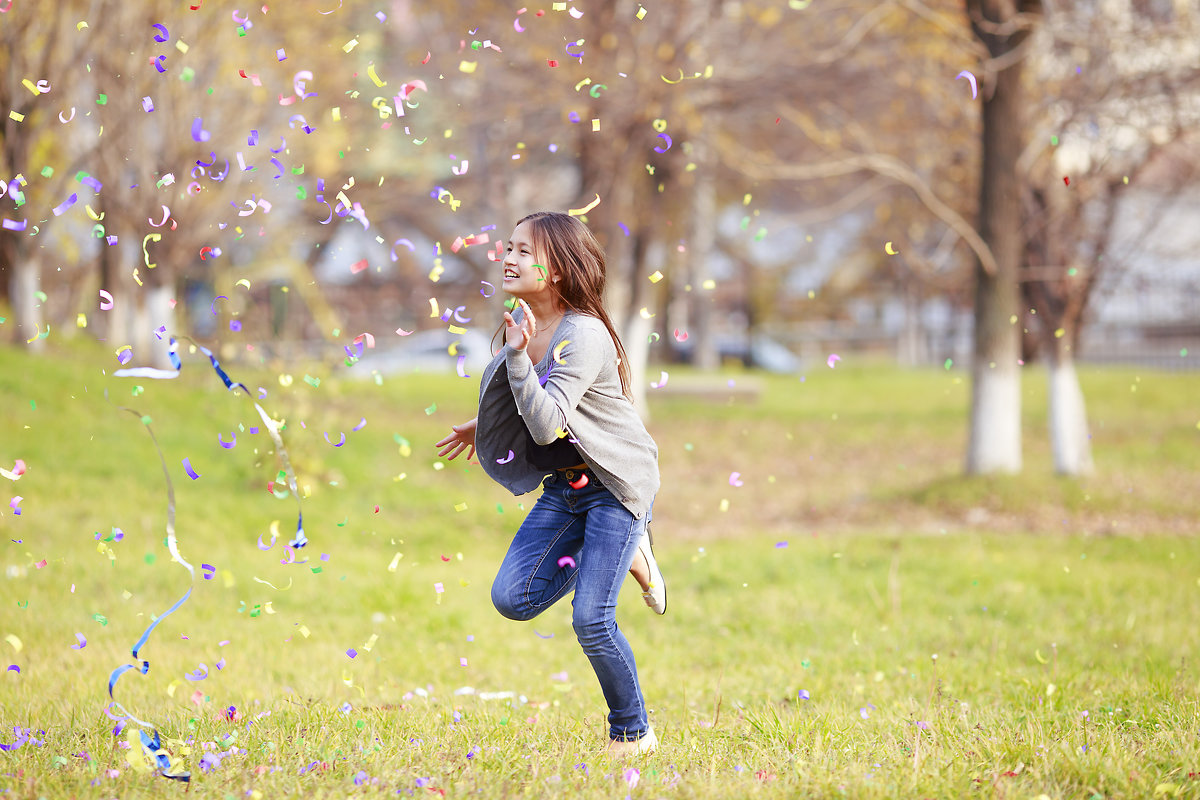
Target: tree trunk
{"points": [[25, 275], [699, 254], [994, 443], [1070, 441]]}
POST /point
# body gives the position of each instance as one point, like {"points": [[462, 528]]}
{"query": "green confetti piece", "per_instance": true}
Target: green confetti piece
{"points": [[33, 404], [301, 194], [47, 172], [40, 295], [102, 100], [949, 363], [316, 570], [150, 558], [429, 411], [103, 620], [298, 170], [187, 74], [311, 381], [146, 420]]}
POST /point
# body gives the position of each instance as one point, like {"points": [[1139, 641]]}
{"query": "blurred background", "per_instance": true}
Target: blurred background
{"points": [[776, 183]]}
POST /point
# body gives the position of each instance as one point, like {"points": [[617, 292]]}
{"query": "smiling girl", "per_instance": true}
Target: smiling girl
{"points": [[554, 409]]}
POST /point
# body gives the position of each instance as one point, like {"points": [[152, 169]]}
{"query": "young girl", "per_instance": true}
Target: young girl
{"points": [[554, 409]]}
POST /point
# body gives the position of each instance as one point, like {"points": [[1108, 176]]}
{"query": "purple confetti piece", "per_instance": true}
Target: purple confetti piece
{"points": [[187, 465], [147, 104], [201, 135], [82, 642]]}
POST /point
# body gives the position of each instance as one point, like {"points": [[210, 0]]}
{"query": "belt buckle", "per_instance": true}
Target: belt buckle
{"points": [[570, 474]]}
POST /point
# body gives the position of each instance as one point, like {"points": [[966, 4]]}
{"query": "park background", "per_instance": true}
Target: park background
{"points": [[912, 295]]}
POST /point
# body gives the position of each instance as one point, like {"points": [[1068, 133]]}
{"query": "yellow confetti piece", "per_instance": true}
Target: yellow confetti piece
{"points": [[81, 320], [243, 282], [455, 329], [150, 237], [709, 284], [460, 506], [575, 212], [336, 113], [656, 277], [559, 6], [373, 76], [370, 642], [136, 278], [80, 25], [395, 562], [304, 631], [16, 116], [558, 350], [724, 504], [14, 641], [645, 312], [28, 84], [641, 12], [433, 307], [181, 46], [350, 45], [595, 125], [466, 66], [887, 248], [175, 684]]}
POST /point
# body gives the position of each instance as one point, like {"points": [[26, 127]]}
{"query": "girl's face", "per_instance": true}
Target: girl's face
{"points": [[524, 277]]}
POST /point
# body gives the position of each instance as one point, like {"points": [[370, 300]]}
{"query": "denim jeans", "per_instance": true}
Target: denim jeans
{"points": [[600, 535]]}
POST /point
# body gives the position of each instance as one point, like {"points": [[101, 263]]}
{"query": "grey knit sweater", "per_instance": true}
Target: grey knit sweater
{"points": [[578, 394]]}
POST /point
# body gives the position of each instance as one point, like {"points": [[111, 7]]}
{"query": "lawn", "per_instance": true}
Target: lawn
{"points": [[849, 616]]}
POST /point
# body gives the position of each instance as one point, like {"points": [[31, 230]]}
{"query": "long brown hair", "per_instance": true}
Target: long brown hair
{"points": [[572, 254]]}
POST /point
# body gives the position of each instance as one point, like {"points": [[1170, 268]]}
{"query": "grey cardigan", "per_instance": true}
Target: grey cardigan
{"points": [[575, 390]]}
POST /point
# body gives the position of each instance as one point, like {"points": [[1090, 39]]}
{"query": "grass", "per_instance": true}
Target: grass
{"points": [[797, 658]]}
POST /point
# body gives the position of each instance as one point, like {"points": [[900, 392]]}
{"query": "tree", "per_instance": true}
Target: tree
{"points": [[994, 438]]}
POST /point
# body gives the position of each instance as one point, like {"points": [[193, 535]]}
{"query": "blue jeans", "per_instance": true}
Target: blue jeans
{"points": [[600, 535]]}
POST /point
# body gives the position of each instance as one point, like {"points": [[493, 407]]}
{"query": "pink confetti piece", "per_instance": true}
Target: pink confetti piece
{"points": [[187, 466], [566, 561], [735, 479], [106, 301], [15, 503], [681, 336], [462, 662], [662, 381], [358, 266], [833, 359], [437, 587]]}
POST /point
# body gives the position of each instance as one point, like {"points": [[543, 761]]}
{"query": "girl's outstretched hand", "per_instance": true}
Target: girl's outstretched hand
{"points": [[463, 438], [518, 336]]}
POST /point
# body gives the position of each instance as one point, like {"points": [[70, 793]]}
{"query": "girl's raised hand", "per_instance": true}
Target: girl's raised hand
{"points": [[462, 438], [518, 336]]}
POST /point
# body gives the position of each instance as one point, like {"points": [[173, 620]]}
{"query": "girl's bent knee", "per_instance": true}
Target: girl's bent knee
{"points": [[509, 605]]}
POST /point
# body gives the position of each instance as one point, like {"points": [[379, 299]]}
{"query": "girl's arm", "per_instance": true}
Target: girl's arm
{"points": [[577, 363]]}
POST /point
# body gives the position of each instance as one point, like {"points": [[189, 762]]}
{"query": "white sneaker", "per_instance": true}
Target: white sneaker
{"points": [[655, 594], [643, 746]]}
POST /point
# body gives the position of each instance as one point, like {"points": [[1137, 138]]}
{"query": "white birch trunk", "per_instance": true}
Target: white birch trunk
{"points": [[637, 349], [26, 279], [1069, 439], [995, 437]]}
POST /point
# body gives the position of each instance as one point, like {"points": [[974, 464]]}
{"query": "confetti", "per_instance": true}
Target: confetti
{"points": [[566, 561], [833, 359], [187, 466], [970, 79]]}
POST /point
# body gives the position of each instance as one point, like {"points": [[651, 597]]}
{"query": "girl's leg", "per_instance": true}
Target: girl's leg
{"points": [[530, 579], [609, 543]]}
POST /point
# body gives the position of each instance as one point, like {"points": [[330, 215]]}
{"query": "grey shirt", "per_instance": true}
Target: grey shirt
{"points": [[575, 390]]}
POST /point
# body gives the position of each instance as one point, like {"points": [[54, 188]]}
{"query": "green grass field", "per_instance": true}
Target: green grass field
{"points": [[856, 619]]}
